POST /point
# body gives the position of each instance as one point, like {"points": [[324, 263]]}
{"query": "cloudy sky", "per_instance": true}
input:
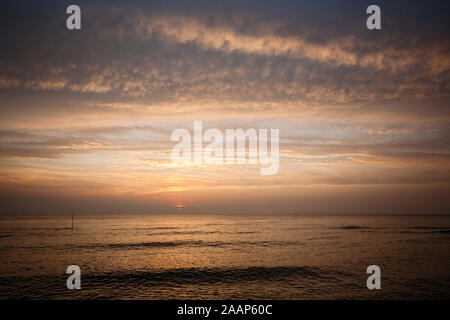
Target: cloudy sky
{"points": [[86, 116]]}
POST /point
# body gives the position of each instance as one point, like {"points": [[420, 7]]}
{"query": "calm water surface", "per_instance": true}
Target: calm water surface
{"points": [[225, 257]]}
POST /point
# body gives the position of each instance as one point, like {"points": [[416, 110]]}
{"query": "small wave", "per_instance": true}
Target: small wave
{"points": [[162, 244], [34, 230], [198, 243], [428, 228], [199, 232], [353, 228], [441, 231], [183, 233], [145, 228], [122, 284], [195, 275], [325, 238], [152, 244]]}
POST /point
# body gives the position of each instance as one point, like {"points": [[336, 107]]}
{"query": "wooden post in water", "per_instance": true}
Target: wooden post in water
{"points": [[72, 221]]}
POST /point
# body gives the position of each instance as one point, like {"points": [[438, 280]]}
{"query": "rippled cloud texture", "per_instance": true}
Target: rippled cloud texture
{"points": [[86, 116]]}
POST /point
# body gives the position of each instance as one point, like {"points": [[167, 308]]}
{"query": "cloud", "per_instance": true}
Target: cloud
{"points": [[198, 60], [322, 152], [89, 113]]}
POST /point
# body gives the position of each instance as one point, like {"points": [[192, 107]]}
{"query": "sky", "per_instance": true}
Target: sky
{"points": [[86, 116]]}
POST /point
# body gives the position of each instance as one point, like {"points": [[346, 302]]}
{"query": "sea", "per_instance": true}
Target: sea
{"points": [[186, 256]]}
